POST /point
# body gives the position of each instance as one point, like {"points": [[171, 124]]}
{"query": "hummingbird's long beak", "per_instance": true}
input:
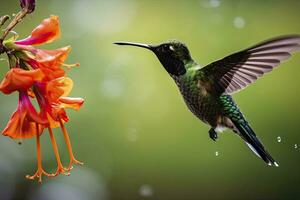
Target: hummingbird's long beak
{"points": [[147, 46]]}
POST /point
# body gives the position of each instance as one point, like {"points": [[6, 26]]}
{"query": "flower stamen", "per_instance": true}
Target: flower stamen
{"points": [[67, 140], [60, 168], [69, 66], [40, 171]]}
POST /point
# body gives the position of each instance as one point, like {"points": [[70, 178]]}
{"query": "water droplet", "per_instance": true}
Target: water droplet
{"points": [[296, 146], [146, 191], [217, 153], [239, 22], [278, 139]]}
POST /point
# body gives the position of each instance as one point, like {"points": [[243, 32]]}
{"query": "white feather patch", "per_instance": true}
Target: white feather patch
{"points": [[252, 148], [220, 129]]}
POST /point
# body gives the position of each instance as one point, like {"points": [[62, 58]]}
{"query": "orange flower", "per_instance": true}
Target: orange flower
{"points": [[52, 58], [46, 32], [19, 79], [23, 121], [38, 73], [52, 98], [53, 103], [51, 61]]}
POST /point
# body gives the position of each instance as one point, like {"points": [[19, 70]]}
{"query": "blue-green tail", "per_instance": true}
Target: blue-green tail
{"points": [[253, 142], [232, 111]]}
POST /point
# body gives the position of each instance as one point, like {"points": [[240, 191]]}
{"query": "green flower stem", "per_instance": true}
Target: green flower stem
{"points": [[3, 19], [13, 23]]}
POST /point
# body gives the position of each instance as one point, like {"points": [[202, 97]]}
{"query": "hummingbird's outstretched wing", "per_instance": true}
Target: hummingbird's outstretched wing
{"points": [[240, 69]]}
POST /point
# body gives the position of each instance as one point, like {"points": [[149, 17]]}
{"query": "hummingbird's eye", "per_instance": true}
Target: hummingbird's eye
{"points": [[166, 48], [171, 48]]}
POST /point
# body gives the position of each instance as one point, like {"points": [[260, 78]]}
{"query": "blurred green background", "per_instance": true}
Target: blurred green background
{"points": [[134, 133]]}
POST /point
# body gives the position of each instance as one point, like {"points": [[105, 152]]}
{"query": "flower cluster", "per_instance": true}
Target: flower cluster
{"points": [[39, 75]]}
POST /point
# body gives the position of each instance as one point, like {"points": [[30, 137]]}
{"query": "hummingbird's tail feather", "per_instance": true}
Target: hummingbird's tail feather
{"points": [[253, 142]]}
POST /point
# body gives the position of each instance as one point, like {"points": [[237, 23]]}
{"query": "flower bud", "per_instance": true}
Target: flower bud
{"points": [[28, 4]]}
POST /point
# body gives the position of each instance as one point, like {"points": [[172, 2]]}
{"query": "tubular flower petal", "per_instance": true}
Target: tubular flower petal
{"points": [[57, 110], [69, 102], [54, 123], [50, 73], [22, 123], [51, 61], [48, 96], [51, 90], [59, 87], [46, 32], [19, 79], [52, 58]]}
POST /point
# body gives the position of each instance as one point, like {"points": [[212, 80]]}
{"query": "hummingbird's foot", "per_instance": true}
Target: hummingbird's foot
{"points": [[213, 134]]}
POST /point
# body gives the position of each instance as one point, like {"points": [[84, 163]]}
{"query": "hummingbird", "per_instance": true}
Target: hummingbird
{"points": [[207, 90]]}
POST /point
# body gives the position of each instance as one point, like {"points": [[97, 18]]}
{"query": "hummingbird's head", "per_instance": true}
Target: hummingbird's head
{"points": [[172, 55]]}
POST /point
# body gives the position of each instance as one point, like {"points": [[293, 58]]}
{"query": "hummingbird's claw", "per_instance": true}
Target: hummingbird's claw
{"points": [[213, 134]]}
